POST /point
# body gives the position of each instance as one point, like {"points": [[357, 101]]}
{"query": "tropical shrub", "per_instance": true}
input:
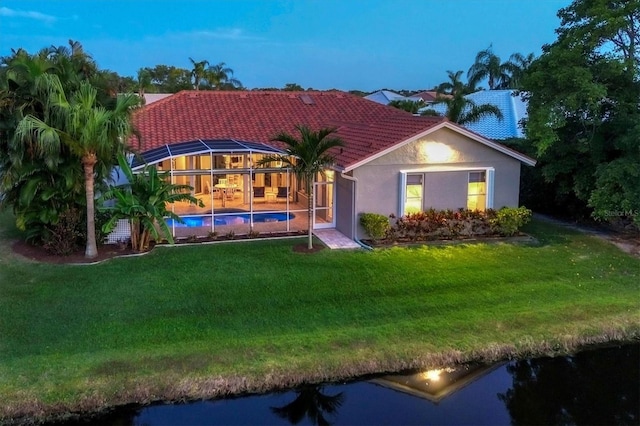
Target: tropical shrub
{"points": [[508, 220], [374, 224], [143, 202]]}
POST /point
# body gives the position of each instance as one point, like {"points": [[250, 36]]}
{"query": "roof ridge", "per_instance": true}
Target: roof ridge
{"points": [[262, 92]]}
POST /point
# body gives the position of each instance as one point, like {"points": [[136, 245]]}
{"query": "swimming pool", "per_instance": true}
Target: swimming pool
{"points": [[233, 219]]}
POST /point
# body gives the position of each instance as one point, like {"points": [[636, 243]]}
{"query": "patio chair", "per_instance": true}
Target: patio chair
{"points": [[258, 192], [230, 193], [282, 193]]}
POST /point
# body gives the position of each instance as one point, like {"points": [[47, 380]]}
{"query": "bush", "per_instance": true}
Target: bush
{"points": [[462, 223], [374, 224], [509, 220], [67, 235]]}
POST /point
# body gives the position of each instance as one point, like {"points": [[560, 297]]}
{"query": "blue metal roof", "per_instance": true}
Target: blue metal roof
{"points": [[513, 109]]}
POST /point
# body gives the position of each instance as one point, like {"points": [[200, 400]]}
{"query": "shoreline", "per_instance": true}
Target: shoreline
{"points": [[215, 387]]}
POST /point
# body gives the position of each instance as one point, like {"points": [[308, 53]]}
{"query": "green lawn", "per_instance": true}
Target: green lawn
{"points": [[201, 320]]}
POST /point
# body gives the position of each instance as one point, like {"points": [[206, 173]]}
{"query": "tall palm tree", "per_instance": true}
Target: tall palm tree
{"points": [[89, 131], [73, 63], [488, 65], [517, 65], [307, 156], [199, 72], [221, 77], [455, 85]]}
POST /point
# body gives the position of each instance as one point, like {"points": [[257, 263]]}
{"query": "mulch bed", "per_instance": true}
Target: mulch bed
{"points": [[39, 254]]}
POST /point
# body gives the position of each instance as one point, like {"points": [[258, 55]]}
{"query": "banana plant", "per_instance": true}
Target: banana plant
{"points": [[143, 201]]}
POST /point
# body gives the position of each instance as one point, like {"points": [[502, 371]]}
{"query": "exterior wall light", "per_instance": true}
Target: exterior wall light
{"points": [[438, 152]]}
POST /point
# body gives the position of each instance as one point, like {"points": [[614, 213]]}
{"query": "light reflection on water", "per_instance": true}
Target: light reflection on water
{"points": [[593, 387]]}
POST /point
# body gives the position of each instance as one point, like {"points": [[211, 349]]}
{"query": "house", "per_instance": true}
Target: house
{"points": [[384, 97], [427, 96], [150, 98], [392, 161], [513, 109]]}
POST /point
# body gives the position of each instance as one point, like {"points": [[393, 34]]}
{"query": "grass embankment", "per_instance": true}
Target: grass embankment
{"points": [[193, 322]]}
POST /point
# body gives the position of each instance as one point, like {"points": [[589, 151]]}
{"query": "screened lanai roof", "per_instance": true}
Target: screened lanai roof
{"points": [[199, 146]]}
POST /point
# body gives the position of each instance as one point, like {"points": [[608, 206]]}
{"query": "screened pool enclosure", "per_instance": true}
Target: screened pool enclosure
{"points": [[240, 194]]}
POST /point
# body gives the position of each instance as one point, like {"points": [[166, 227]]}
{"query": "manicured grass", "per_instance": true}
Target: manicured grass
{"points": [[198, 321]]}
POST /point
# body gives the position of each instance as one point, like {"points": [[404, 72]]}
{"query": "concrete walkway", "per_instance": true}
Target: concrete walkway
{"points": [[335, 239]]}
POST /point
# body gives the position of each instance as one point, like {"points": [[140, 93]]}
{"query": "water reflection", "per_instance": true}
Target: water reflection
{"points": [[589, 388], [594, 387], [436, 384], [312, 403]]}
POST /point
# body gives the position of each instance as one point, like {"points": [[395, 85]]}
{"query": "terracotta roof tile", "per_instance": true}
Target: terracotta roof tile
{"points": [[367, 128]]}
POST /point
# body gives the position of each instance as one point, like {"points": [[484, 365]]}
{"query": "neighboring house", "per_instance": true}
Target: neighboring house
{"points": [[428, 96], [150, 98], [385, 96], [513, 109], [392, 161]]}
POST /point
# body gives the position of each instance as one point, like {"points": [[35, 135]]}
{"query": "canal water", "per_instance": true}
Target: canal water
{"points": [[594, 387]]}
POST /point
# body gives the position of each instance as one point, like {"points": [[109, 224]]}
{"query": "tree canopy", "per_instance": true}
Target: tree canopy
{"points": [[584, 113]]}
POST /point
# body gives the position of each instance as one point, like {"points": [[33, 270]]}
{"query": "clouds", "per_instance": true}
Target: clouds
{"points": [[13, 13]]}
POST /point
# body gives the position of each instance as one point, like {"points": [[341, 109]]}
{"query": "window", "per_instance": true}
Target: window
{"points": [[413, 191], [477, 191]]}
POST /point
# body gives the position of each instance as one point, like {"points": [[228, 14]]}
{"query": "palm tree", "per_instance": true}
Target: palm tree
{"points": [[73, 63], [90, 132], [488, 65], [312, 403], [455, 85], [408, 105], [517, 65], [460, 109], [143, 81], [221, 77], [307, 157], [464, 111], [199, 72]]}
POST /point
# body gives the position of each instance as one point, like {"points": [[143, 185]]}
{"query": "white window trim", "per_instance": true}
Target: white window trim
{"points": [[490, 176]]}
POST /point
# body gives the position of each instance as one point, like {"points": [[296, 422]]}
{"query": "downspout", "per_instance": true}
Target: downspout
{"points": [[353, 214]]}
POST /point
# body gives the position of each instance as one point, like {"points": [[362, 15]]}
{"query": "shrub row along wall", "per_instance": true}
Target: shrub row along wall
{"points": [[445, 224]]}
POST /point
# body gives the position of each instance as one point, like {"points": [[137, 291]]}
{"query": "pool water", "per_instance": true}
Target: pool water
{"points": [[234, 219]]}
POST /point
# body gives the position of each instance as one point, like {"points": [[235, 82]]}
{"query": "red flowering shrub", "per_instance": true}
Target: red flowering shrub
{"points": [[448, 224]]}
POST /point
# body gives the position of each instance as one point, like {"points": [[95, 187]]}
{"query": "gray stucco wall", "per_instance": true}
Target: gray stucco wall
{"points": [[378, 186]]}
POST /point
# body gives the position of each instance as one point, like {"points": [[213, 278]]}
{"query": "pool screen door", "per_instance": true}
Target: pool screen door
{"points": [[323, 214]]}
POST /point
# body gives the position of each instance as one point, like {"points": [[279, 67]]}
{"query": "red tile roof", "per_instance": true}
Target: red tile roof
{"points": [[367, 128], [427, 95]]}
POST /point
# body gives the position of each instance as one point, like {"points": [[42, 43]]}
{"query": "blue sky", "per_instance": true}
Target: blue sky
{"points": [[342, 44]]}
